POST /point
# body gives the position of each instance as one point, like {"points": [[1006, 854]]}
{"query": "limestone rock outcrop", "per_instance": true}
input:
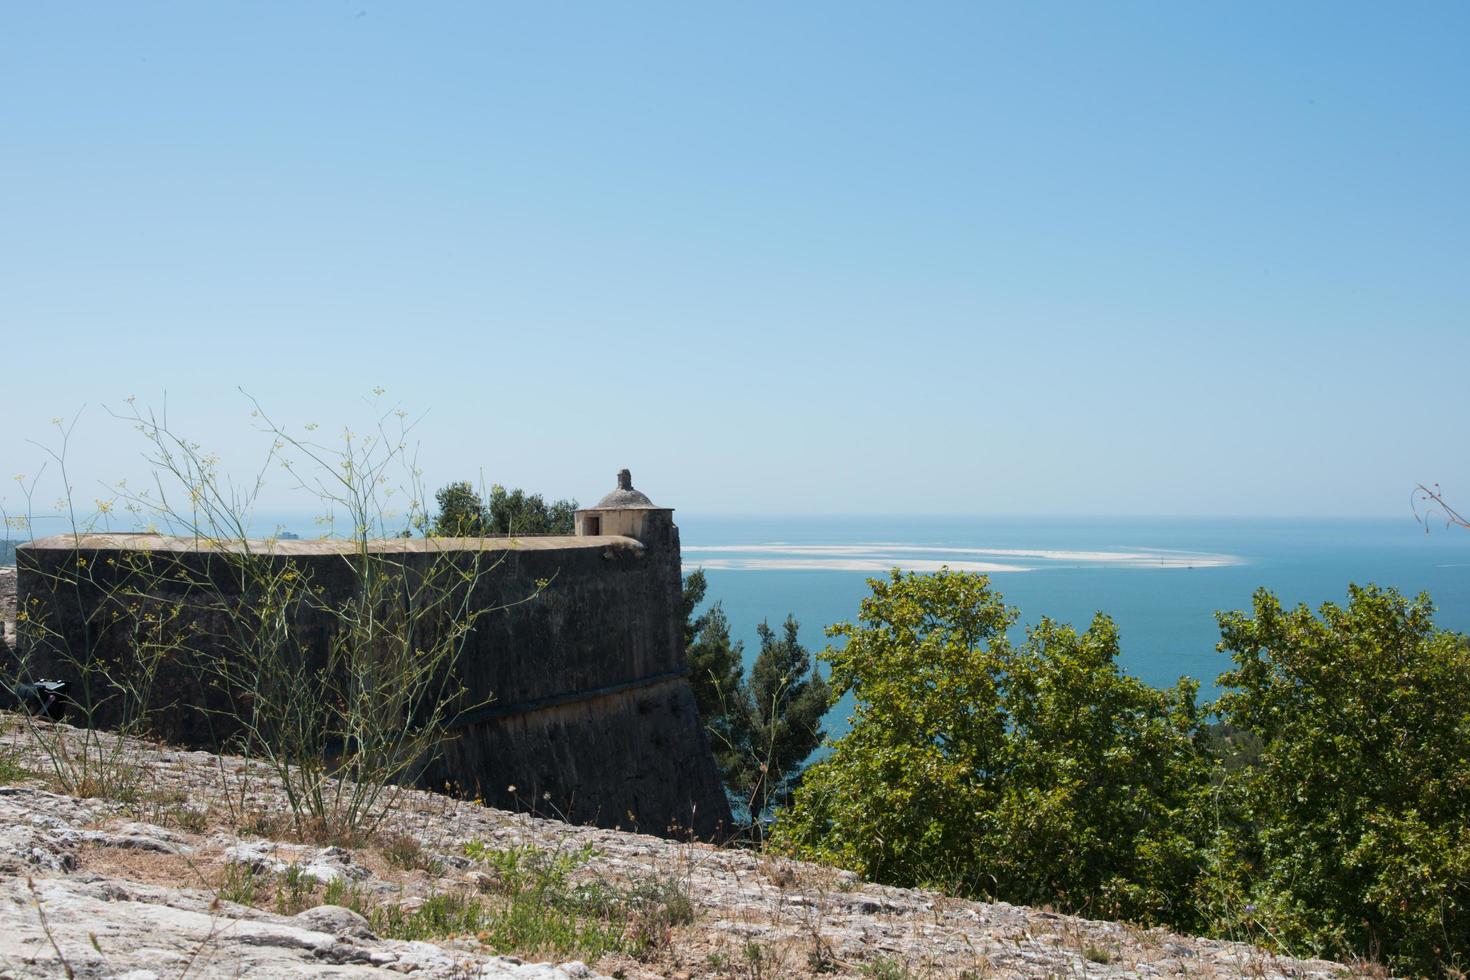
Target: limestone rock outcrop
{"points": [[138, 889]]}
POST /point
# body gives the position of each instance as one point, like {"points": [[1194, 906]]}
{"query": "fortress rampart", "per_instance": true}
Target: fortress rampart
{"points": [[577, 699]]}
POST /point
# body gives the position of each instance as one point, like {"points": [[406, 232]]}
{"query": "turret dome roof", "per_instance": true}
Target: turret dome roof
{"points": [[625, 497]]}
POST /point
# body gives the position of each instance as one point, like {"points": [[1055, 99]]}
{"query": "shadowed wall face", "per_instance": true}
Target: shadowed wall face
{"points": [[575, 696]]}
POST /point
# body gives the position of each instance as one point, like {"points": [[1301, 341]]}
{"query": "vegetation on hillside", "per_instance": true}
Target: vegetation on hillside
{"points": [[1356, 818], [1038, 774], [1324, 814]]}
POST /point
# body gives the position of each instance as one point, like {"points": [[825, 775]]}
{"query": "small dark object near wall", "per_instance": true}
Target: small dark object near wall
{"points": [[44, 699]]}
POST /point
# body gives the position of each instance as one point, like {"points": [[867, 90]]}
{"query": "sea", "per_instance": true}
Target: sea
{"points": [[1162, 580]]}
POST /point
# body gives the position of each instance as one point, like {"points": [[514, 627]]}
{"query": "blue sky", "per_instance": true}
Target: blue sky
{"points": [[984, 258]]}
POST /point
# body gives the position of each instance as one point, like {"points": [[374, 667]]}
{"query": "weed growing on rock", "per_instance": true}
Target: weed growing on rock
{"points": [[169, 808], [888, 968], [542, 908], [294, 891], [438, 916], [405, 852], [348, 895], [657, 905], [240, 885], [12, 769], [762, 962]]}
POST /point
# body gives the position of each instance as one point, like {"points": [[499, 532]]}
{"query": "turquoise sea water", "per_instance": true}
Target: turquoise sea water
{"points": [[1160, 579]]}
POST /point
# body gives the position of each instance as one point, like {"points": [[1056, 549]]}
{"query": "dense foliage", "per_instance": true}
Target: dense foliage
{"points": [[1037, 775], [461, 512], [1327, 812], [464, 514], [764, 726], [1359, 808]]}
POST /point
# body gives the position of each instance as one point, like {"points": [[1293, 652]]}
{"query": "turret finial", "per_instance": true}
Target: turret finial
{"points": [[625, 479]]}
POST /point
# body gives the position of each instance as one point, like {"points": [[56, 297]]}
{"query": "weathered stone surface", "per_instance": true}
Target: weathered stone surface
{"points": [[337, 921], [754, 914], [137, 836], [103, 925], [38, 830], [110, 928], [326, 864]]}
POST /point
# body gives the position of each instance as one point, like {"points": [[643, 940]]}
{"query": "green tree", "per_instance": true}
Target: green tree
{"points": [[1103, 782], [762, 727], [463, 513], [517, 512], [1034, 775], [1358, 841], [898, 798], [695, 588], [716, 666], [779, 724]]}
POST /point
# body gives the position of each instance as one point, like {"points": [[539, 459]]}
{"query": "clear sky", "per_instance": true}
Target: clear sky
{"points": [[1085, 258]]}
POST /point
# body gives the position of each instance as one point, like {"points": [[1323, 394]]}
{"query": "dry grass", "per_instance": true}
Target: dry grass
{"points": [[148, 867], [404, 852]]}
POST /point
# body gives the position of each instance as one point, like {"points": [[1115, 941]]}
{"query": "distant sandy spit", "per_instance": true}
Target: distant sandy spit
{"points": [[850, 565], [880, 557]]}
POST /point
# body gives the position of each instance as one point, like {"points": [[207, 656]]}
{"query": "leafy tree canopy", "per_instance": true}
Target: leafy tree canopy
{"points": [[463, 513], [516, 512], [1359, 839], [1039, 774]]}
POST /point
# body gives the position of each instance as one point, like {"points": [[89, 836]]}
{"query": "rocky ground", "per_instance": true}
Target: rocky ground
{"points": [[196, 872]]}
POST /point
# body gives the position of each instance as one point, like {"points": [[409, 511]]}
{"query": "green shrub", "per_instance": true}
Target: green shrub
{"points": [[348, 895], [241, 884], [888, 968], [437, 917], [294, 890], [1350, 836]]}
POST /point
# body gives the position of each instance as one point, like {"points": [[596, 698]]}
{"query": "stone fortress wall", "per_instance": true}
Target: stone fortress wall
{"points": [[581, 706]]}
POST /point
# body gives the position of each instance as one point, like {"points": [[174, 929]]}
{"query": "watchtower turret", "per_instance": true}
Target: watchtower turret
{"points": [[630, 513]]}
